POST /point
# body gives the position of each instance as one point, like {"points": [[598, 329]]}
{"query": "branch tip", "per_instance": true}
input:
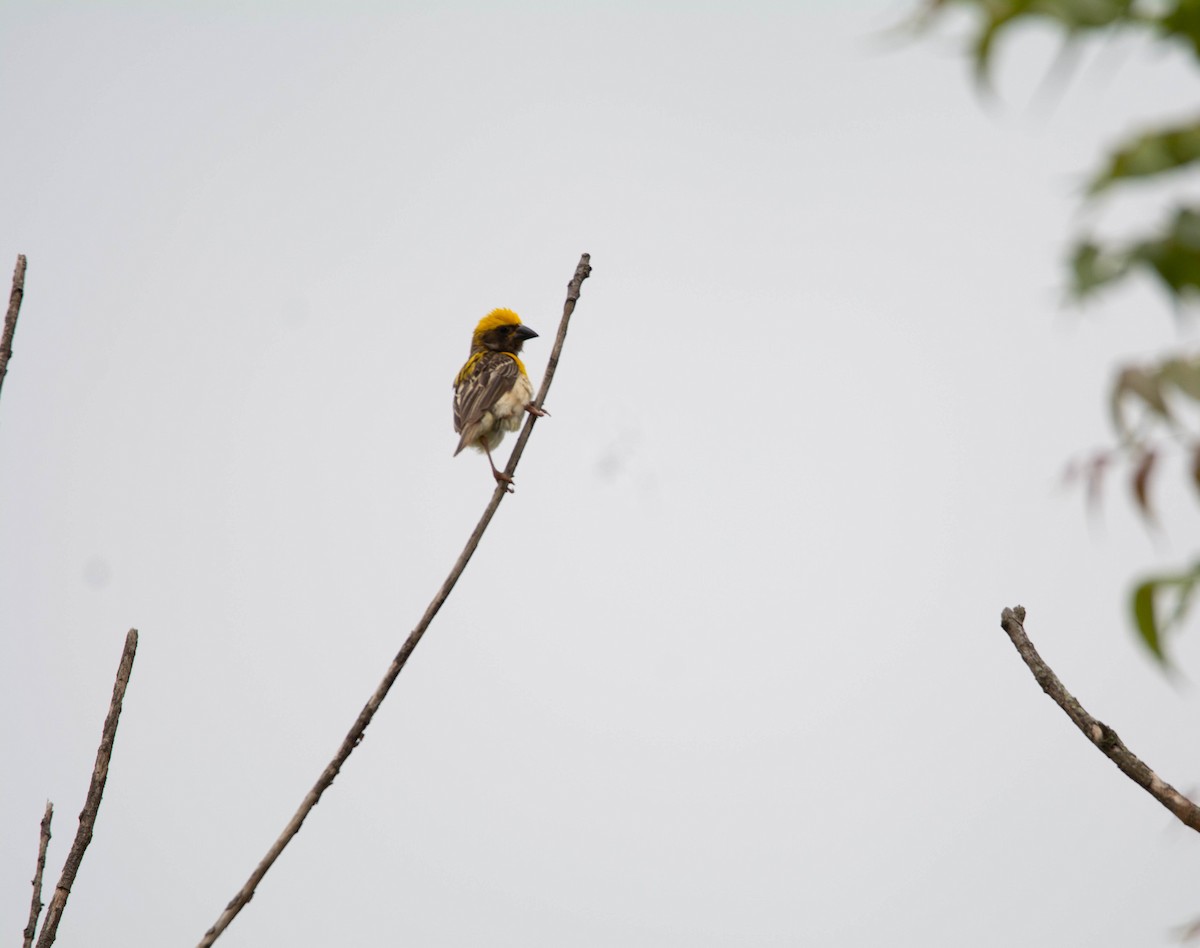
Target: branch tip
{"points": [[91, 806], [16, 294], [35, 905], [1099, 733]]}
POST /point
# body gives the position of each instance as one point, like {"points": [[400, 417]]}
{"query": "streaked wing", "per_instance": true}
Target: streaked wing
{"points": [[494, 375]]}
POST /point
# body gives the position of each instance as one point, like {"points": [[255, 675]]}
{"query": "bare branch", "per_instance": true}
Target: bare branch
{"points": [[357, 732], [35, 907], [10, 321], [582, 272], [1100, 734], [91, 806]]}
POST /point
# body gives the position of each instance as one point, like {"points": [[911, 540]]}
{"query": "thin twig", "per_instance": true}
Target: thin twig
{"points": [[356, 733], [1099, 733], [91, 806], [582, 272], [10, 321], [35, 907]]}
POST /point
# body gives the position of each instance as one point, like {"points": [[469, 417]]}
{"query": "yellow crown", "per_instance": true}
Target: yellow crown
{"points": [[495, 319]]}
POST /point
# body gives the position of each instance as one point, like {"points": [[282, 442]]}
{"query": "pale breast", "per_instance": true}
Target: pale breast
{"points": [[510, 407]]}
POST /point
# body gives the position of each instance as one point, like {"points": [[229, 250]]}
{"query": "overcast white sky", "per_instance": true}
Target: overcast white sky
{"points": [[727, 668]]}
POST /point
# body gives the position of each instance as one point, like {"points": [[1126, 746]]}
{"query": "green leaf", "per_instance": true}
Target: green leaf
{"points": [[1150, 154], [1144, 619], [1094, 266], [994, 17], [1172, 255], [1178, 20], [1145, 608], [1175, 256], [1183, 22], [1085, 14]]}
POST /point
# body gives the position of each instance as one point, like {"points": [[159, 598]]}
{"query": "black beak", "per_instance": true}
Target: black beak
{"points": [[524, 332]]}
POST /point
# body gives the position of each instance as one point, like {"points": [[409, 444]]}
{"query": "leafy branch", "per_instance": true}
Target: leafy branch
{"points": [[1177, 21], [1145, 401]]}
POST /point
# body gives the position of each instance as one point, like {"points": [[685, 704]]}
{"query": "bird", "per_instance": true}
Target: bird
{"points": [[492, 390]]}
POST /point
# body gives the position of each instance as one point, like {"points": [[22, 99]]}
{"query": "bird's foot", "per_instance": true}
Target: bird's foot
{"points": [[535, 411], [503, 480]]}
